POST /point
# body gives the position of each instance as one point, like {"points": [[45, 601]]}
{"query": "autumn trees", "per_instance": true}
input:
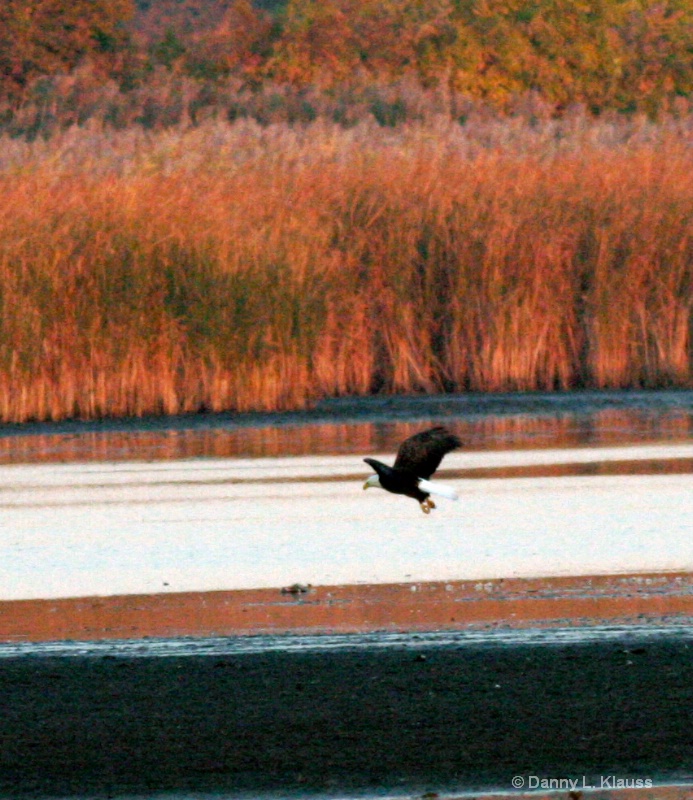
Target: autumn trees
{"points": [[622, 54], [42, 37], [626, 55]]}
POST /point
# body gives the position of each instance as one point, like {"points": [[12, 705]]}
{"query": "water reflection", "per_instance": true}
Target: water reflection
{"points": [[227, 436]]}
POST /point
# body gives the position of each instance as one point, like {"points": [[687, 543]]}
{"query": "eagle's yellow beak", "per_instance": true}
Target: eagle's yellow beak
{"points": [[366, 485]]}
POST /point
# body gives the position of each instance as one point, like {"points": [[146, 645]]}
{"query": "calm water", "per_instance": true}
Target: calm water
{"points": [[549, 484], [371, 425]]}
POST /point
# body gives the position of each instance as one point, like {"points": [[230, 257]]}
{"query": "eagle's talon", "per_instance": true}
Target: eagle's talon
{"points": [[417, 459], [427, 504]]}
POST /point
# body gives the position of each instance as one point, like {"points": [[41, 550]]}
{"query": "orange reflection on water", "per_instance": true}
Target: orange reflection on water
{"points": [[227, 437]]}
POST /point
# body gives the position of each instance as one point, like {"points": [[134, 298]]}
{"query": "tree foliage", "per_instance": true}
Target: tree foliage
{"points": [[602, 53], [42, 37], [628, 55]]}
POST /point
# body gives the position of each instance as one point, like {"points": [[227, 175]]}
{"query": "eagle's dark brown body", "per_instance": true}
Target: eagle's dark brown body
{"points": [[418, 458]]}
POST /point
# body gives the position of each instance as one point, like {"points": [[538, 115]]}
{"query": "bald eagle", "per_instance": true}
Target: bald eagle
{"points": [[417, 459]]}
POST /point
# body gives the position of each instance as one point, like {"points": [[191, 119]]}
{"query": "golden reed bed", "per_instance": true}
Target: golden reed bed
{"points": [[241, 267]]}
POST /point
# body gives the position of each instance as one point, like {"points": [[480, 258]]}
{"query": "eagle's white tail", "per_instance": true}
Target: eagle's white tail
{"points": [[438, 488]]}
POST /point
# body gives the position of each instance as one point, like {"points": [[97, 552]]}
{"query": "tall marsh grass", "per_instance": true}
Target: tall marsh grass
{"points": [[246, 267]]}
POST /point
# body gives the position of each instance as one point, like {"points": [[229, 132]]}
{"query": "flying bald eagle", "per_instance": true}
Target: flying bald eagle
{"points": [[417, 459]]}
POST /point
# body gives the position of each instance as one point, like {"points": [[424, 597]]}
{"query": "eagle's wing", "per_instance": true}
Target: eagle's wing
{"points": [[423, 452]]}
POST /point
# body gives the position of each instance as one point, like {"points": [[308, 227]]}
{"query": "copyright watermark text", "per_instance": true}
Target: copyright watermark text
{"points": [[581, 782]]}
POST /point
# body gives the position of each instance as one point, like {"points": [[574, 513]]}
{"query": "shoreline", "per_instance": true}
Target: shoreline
{"points": [[351, 425], [597, 682], [647, 598], [382, 408]]}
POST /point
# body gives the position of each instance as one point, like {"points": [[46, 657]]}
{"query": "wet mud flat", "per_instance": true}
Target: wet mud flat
{"points": [[348, 715], [471, 605]]}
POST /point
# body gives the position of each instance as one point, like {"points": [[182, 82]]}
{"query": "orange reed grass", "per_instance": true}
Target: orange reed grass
{"points": [[234, 267]]}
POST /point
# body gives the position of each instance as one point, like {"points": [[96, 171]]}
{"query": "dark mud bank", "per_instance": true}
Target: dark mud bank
{"points": [[350, 719]]}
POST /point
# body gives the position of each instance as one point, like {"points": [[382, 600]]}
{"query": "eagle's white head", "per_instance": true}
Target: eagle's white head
{"points": [[374, 480]]}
